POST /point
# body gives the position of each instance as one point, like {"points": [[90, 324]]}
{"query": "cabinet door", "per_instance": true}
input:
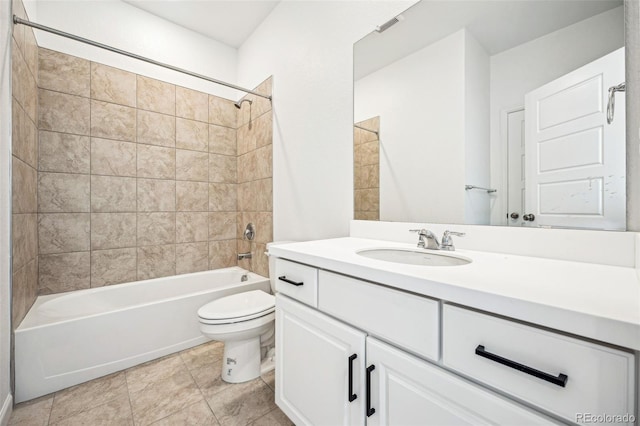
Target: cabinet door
{"points": [[313, 358], [406, 390]]}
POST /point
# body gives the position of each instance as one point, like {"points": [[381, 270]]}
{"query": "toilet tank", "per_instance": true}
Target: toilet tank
{"points": [[272, 263]]}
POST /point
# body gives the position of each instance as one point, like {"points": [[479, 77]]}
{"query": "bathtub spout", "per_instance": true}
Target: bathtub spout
{"points": [[242, 256]]}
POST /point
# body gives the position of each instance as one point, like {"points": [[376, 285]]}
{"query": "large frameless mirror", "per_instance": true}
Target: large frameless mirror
{"points": [[493, 113]]}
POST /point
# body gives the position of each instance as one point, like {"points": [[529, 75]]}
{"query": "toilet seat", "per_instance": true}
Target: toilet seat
{"points": [[237, 308]]}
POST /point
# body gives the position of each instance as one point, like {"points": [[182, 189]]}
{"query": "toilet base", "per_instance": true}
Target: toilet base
{"points": [[241, 360]]}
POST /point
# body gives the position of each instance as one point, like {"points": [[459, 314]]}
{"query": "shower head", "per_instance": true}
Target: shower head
{"points": [[239, 103], [391, 22]]}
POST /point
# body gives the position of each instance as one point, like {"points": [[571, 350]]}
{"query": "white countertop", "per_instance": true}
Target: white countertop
{"points": [[595, 301]]}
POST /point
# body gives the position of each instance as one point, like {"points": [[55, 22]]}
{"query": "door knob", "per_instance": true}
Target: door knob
{"points": [[529, 217], [514, 215]]}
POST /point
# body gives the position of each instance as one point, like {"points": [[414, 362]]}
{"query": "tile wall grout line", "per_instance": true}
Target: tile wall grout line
{"points": [[37, 125], [175, 178], [90, 179], [208, 185], [137, 207]]}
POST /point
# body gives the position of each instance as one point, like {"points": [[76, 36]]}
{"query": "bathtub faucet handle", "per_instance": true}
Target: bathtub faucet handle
{"points": [[249, 232]]}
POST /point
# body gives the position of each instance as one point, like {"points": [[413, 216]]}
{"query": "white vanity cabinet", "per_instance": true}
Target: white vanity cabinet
{"points": [[406, 390], [319, 365], [325, 376], [400, 318], [566, 376], [297, 281], [333, 369]]}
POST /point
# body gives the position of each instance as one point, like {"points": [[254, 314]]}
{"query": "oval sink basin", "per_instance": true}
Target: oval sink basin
{"points": [[414, 257]]}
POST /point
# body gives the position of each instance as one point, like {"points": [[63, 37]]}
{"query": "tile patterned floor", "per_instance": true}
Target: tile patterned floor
{"points": [[180, 389]]}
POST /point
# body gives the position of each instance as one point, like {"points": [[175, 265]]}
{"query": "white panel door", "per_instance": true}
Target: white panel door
{"points": [[516, 168], [408, 391], [313, 355], [575, 161]]}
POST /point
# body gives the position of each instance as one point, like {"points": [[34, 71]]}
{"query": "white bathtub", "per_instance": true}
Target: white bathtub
{"points": [[70, 338]]}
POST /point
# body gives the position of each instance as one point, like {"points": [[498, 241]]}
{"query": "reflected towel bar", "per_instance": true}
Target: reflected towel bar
{"points": [[489, 190], [364, 128]]}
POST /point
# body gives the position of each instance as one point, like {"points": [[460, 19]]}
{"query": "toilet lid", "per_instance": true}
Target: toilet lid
{"points": [[249, 303]]}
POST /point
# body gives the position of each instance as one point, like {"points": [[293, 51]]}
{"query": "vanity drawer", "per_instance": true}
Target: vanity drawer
{"points": [[403, 319], [297, 281], [525, 362]]}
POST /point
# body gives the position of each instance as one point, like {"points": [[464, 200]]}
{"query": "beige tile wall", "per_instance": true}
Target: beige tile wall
{"points": [[24, 148], [255, 177], [139, 178], [366, 176]]}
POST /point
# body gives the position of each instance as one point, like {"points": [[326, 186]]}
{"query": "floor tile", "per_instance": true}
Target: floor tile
{"points": [[151, 372], [164, 397], [242, 403], [179, 389], [85, 396], [199, 356], [198, 414], [270, 379], [116, 412], [32, 413], [209, 381], [274, 417]]}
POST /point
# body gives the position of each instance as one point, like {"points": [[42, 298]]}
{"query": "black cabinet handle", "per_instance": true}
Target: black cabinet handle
{"points": [[561, 380], [352, 396], [284, 278], [370, 410]]}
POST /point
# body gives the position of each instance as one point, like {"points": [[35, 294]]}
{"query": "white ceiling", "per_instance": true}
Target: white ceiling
{"points": [[498, 25], [227, 21]]}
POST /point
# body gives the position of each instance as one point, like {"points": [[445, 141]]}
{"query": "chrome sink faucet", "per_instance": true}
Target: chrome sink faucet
{"points": [[447, 241], [428, 240]]}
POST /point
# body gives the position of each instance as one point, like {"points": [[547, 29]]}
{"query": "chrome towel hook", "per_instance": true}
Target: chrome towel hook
{"points": [[612, 100]]}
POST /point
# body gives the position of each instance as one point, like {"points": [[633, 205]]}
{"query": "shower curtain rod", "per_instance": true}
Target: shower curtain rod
{"points": [[17, 20]]}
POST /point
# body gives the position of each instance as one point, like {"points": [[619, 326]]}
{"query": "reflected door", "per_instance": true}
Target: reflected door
{"points": [[575, 160], [516, 167]]}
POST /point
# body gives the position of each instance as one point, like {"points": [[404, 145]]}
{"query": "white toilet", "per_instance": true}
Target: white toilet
{"points": [[244, 322]]}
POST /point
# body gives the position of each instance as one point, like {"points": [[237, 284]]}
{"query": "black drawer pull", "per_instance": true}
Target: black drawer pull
{"points": [[370, 410], [352, 396], [561, 380], [284, 278]]}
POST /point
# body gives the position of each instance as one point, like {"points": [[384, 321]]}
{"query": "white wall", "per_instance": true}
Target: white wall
{"points": [[434, 114], [632, 39], [421, 102], [476, 137], [5, 210], [517, 71], [308, 47], [126, 27]]}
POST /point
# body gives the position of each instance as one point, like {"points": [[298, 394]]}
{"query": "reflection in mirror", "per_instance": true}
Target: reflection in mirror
{"points": [[495, 112], [366, 169]]}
